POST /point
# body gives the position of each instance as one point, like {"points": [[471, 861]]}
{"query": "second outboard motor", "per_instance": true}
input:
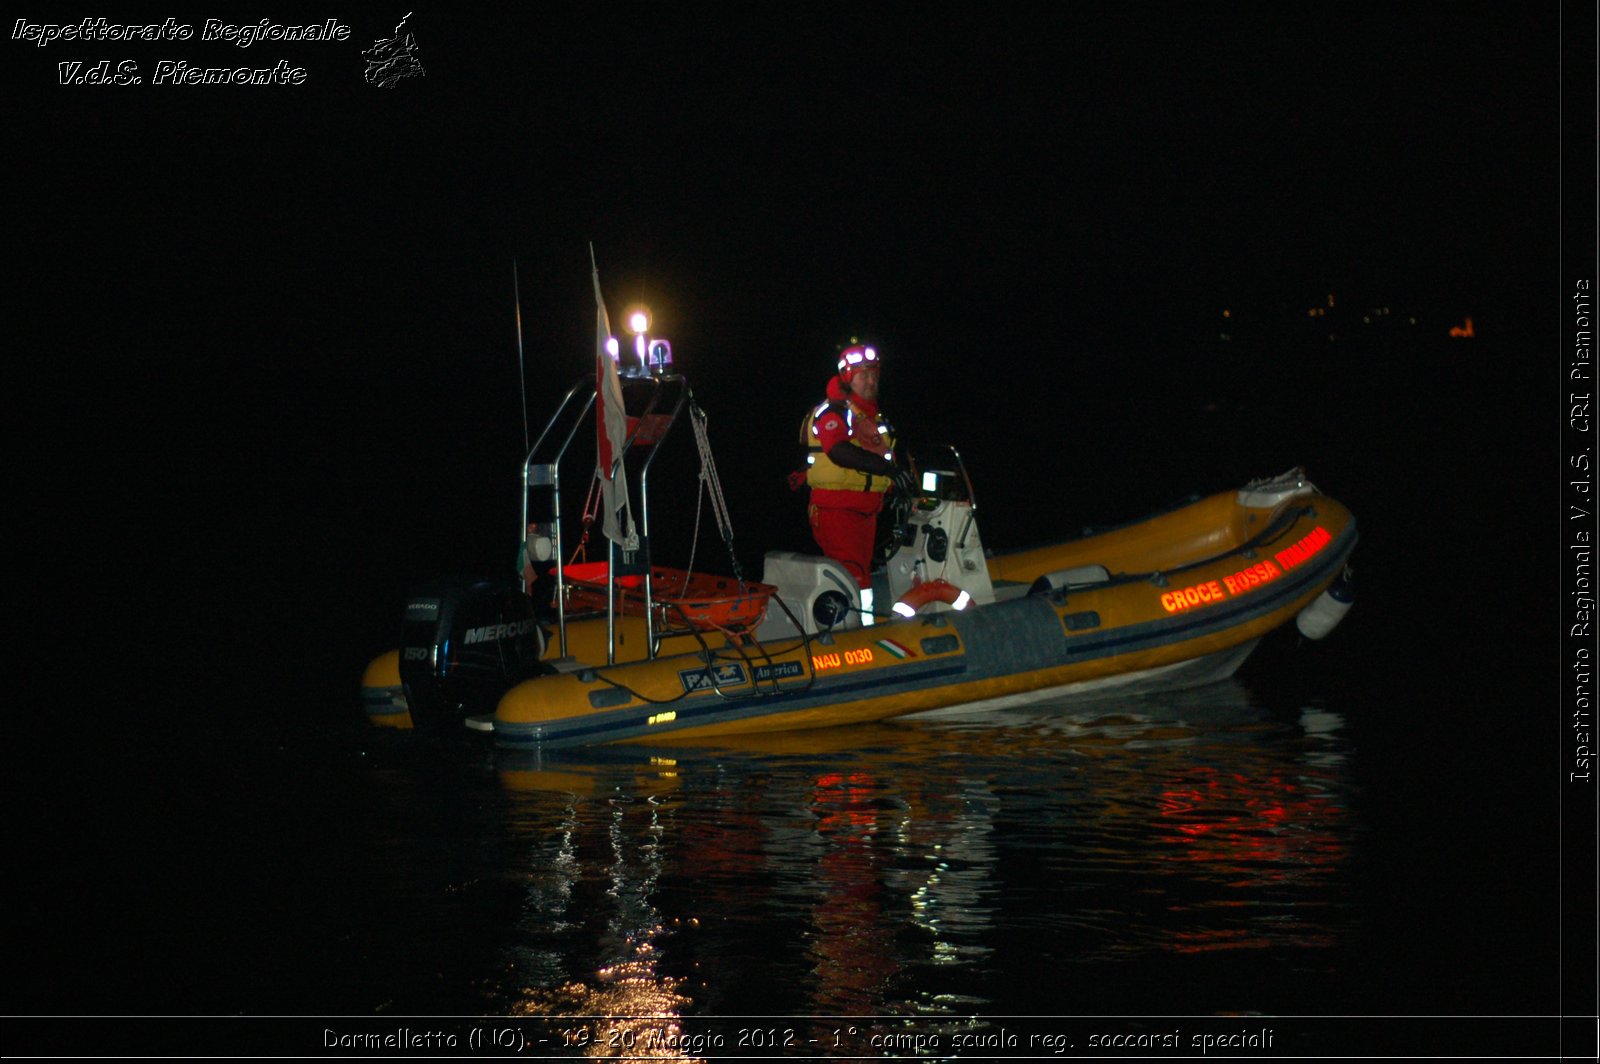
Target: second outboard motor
{"points": [[463, 644]]}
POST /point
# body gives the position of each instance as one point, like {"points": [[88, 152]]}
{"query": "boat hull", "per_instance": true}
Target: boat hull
{"points": [[383, 695], [1189, 622]]}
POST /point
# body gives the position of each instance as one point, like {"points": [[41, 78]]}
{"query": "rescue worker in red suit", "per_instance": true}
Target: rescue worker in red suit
{"points": [[849, 463]]}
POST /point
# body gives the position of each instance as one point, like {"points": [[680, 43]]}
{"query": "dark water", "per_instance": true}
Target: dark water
{"points": [[202, 824], [1247, 848]]}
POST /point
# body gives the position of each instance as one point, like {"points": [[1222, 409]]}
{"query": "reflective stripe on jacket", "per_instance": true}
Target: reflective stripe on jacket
{"points": [[824, 472]]}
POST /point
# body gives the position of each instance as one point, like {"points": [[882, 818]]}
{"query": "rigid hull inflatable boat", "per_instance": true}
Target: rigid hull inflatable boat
{"points": [[1177, 600], [571, 655]]}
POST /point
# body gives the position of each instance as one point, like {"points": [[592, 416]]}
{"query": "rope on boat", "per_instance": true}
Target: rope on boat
{"points": [[591, 512], [711, 656], [711, 485], [694, 540]]}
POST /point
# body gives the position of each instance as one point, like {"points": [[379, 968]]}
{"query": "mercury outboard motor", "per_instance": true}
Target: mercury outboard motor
{"points": [[464, 643]]}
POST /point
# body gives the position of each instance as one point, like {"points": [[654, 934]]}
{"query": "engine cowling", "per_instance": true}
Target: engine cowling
{"points": [[464, 643]]}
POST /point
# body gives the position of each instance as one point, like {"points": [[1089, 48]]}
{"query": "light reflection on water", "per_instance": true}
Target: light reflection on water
{"points": [[1024, 861]]}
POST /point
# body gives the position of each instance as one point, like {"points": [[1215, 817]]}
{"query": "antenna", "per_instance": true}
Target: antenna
{"points": [[522, 372]]}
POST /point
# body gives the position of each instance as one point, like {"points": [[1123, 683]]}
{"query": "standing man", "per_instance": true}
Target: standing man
{"points": [[849, 466]]}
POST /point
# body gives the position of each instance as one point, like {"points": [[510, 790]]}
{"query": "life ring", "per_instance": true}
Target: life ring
{"points": [[932, 591]]}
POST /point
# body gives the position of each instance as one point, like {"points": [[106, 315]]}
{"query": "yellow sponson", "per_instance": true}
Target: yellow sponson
{"points": [[1203, 529], [382, 695], [1179, 598], [823, 472], [586, 639]]}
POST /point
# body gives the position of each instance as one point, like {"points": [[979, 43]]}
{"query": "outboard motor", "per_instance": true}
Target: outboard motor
{"points": [[463, 644]]}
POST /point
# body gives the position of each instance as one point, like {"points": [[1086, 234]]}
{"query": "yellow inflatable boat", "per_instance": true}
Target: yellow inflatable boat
{"points": [[1177, 599]]}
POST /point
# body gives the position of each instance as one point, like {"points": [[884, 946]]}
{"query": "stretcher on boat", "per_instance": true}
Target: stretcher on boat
{"points": [[700, 601]]}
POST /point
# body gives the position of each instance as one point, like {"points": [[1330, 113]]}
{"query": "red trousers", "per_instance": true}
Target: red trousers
{"points": [[847, 534]]}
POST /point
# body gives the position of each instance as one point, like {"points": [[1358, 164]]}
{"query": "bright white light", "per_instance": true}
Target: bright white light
{"points": [[930, 482], [866, 607], [961, 601], [903, 610], [613, 348], [638, 321]]}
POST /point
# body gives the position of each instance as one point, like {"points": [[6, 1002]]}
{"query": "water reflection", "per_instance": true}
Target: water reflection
{"points": [[928, 866], [595, 855]]}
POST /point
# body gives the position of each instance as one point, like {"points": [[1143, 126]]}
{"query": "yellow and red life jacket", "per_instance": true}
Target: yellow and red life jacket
{"points": [[823, 472]]}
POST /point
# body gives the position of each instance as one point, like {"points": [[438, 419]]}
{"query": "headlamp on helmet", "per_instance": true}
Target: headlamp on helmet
{"points": [[855, 358]]}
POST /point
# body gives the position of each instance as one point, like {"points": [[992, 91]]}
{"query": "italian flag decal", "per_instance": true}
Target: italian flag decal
{"points": [[896, 649]]}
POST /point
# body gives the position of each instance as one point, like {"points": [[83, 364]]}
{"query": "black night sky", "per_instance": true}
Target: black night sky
{"points": [[291, 300], [264, 367]]}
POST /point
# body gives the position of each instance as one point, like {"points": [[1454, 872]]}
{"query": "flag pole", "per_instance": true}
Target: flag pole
{"points": [[603, 378]]}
